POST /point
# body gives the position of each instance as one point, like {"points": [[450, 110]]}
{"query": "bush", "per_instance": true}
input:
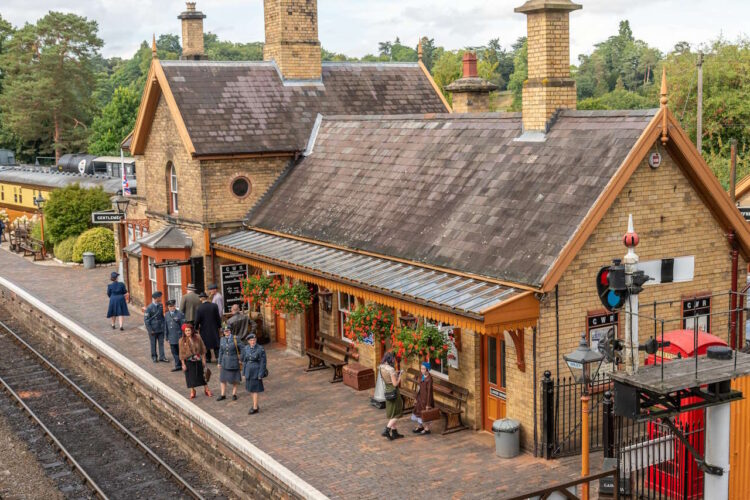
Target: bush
{"points": [[100, 241], [68, 211], [64, 249], [36, 232]]}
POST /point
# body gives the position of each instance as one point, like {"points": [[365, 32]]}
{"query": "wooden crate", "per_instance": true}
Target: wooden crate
{"points": [[359, 377]]}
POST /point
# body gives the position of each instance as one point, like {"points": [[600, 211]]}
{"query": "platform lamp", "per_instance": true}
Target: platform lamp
{"points": [[121, 203], [584, 364], [39, 201]]}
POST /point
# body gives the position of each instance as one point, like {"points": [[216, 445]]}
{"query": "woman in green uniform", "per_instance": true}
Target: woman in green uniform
{"points": [[394, 405]]}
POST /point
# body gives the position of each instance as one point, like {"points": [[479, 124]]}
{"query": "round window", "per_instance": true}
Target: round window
{"points": [[241, 187]]}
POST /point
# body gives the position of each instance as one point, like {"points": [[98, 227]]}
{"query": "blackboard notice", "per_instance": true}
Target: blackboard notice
{"points": [[231, 284]]}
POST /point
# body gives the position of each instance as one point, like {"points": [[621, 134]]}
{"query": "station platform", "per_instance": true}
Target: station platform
{"points": [[326, 434]]}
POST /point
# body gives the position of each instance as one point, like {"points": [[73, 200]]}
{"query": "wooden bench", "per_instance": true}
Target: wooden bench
{"points": [[17, 237], [450, 399], [335, 352], [33, 246]]}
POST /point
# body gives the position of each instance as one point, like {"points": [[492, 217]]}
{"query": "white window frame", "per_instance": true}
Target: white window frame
{"points": [[173, 190], [343, 313], [152, 274], [174, 288], [444, 328]]}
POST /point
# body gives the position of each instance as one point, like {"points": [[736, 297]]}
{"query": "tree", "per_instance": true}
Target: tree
{"points": [[68, 211], [49, 80], [219, 50], [619, 99], [449, 68], [520, 74], [169, 44], [6, 31], [429, 52], [115, 122]]}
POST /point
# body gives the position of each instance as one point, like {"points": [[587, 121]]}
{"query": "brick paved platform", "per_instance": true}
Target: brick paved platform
{"points": [[327, 434]]}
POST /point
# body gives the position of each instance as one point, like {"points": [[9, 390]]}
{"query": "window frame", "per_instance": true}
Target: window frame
{"points": [[444, 328], [152, 279], [173, 285], [704, 309], [343, 314], [249, 186], [173, 188]]}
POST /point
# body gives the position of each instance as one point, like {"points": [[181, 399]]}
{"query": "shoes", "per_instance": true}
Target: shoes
{"points": [[234, 397], [390, 434], [418, 430], [253, 411], [164, 360], [221, 398], [207, 392], [192, 395], [425, 432], [386, 432], [113, 327], [154, 360], [176, 369], [121, 329], [395, 434]]}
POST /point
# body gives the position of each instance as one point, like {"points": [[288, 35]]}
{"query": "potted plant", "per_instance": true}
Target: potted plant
{"points": [[369, 323]]}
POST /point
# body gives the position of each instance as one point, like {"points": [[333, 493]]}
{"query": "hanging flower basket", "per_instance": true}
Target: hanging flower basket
{"points": [[256, 289], [423, 343], [290, 299], [369, 323]]}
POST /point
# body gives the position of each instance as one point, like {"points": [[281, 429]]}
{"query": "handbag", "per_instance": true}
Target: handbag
{"points": [[207, 374], [265, 372], [430, 415], [239, 358], [391, 395]]}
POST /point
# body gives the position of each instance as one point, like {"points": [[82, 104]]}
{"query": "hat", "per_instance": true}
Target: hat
{"points": [[251, 336], [203, 295], [186, 325], [213, 286], [227, 328], [114, 275], [427, 365], [171, 302], [156, 295], [191, 287]]}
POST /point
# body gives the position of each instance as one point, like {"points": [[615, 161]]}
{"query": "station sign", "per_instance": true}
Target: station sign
{"points": [[107, 217], [231, 284]]}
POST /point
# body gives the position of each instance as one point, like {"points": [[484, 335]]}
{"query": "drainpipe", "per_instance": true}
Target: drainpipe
{"points": [[557, 332], [732, 238]]}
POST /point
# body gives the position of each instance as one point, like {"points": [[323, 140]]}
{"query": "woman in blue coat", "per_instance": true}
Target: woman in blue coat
{"points": [[118, 305], [229, 363], [254, 369]]}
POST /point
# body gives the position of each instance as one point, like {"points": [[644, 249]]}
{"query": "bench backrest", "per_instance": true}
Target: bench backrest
{"points": [[451, 394], [337, 348]]}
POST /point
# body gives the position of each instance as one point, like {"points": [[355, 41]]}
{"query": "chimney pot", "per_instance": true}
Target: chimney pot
{"points": [[192, 32], [470, 65], [190, 6]]}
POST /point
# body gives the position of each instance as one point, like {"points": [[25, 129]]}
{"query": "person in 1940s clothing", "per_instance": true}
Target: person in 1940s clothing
{"points": [[216, 297], [254, 369], [229, 363], [189, 304], [425, 399], [208, 323], [193, 357], [173, 322], [118, 304], [394, 405], [241, 324], [153, 318]]}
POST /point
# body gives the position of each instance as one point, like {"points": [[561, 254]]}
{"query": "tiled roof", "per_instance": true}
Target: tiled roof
{"points": [[245, 107], [169, 237], [453, 191]]}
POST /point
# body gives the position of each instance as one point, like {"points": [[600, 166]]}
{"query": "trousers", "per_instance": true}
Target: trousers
{"points": [[175, 348], [157, 339]]}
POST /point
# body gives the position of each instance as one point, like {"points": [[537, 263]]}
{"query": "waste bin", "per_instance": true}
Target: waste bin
{"points": [[89, 262], [507, 437]]}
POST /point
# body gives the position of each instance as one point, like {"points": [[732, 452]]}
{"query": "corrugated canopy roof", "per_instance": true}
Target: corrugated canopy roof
{"points": [[453, 293]]}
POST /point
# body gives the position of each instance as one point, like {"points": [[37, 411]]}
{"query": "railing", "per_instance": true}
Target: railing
{"points": [[564, 489]]}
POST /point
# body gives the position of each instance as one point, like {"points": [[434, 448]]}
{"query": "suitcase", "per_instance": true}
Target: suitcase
{"points": [[359, 377]]}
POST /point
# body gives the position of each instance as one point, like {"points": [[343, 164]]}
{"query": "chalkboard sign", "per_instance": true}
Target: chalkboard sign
{"points": [[231, 284]]}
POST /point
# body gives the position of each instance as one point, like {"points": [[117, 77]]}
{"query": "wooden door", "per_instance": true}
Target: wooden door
{"points": [[312, 319], [493, 379], [281, 328]]}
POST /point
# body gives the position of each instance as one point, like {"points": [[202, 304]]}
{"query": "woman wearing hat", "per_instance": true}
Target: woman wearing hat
{"points": [[193, 357], [254, 370], [424, 401], [118, 300], [229, 364]]}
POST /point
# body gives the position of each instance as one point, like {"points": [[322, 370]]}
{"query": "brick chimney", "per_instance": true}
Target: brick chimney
{"points": [[549, 86], [292, 38], [192, 32], [471, 94]]}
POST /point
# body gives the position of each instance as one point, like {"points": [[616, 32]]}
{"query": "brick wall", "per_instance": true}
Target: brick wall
{"points": [[471, 102], [292, 38], [542, 98], [672, 221], [192, 38]]}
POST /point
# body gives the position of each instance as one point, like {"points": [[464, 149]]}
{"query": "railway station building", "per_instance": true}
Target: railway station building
{"points": [[358, 180]]}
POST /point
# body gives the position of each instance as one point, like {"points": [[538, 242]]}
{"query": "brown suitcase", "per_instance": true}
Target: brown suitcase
{"points": [[430, 415], [359, 377]]}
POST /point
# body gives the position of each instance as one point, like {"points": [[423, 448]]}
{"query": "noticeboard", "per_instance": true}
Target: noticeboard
{"points": [[231, 284]]}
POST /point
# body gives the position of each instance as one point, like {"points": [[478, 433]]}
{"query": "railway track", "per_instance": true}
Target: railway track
{"points": [[109, 459]]}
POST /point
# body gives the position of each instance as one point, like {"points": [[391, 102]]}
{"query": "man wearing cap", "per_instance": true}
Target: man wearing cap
{"points": [[173, 322], [208, 323], [189, 304], [216, 297], [153, 318]]}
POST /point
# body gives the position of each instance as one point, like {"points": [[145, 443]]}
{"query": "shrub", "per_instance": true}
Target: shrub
{"points": [[68, 211], [64, 249], [100, 241]]}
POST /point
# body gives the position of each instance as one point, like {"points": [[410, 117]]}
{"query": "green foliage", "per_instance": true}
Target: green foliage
{"points": [[332, 56], [36, 233], [64, 249], [218, 50], [619, 99], [369, 323], [256, 288], [289, 299], [449, 68], [115, 122], [68, 210], [100, 241], [520, 74], [424, 343]]}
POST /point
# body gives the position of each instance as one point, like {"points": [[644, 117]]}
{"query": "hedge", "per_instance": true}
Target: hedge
{"points": [[100, 241], [64, 249]]}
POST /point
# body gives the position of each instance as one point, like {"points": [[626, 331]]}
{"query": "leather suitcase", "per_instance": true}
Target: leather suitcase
{"points": [[359, 377]]}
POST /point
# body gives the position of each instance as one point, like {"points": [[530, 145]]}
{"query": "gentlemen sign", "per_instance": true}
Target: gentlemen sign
{"points": [[107, 217], [745, 211], [231, 284]]}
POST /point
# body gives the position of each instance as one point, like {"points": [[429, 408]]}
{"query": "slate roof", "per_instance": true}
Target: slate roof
{"points": [[455, 191], [245, 107], [167, 237]]}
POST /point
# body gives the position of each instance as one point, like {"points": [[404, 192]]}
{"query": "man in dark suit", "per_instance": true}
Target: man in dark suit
{"points": [[208, 323]]}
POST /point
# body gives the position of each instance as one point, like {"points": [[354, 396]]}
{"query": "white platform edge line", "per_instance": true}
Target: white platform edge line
{"points": [[210, 424]]}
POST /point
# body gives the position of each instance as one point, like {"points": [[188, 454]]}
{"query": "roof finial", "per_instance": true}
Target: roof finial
{"points": [[664, 100], [153, 48], [419, 50]]}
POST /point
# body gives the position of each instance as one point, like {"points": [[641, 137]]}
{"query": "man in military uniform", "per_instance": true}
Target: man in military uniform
{"points": [[153, 318], [173, 322]]}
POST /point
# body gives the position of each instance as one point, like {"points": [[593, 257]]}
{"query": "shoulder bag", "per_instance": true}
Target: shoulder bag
{"points": [[237, 349]]}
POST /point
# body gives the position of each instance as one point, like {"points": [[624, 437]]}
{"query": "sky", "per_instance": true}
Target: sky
{"points": [[355, 27]]}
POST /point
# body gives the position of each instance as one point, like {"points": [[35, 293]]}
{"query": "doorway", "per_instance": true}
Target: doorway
{"points": [[312, 318], [280, 328], [493, 379]]}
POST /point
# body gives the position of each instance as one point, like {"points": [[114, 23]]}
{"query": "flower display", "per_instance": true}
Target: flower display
{"points": [[424, 342], [256, 289], [369, 323], [289, 299]]}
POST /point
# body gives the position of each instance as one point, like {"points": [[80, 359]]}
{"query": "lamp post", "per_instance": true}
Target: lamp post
{"points": [[39, 201], [584, 364], [121, 204]]}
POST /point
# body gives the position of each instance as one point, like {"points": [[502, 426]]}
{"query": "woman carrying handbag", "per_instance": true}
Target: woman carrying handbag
{"points": [[424, 407], [394, 405], [193, 357]]}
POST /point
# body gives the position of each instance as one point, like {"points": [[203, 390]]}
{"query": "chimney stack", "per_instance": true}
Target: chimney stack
{"points": [[192, 32], [549, 87], [471, 94], [292, 38]]}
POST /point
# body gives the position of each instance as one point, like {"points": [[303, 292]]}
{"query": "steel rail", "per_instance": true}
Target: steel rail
{"points": [[109, 417]]}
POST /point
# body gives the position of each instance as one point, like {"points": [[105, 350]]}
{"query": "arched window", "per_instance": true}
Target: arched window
{"points": [[172, 184]]}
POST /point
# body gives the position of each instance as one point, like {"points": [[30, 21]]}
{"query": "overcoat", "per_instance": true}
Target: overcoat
{"points": [[424, 395], [189, 304], [208, 322], [118, 306], [173, 322], [153, 318], [254, 366], [228, 353]]}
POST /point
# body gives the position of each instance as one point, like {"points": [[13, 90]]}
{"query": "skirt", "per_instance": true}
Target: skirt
{"points": [[253, 385], [117, 306], [230, 376], [395, 408], [194, 374]]}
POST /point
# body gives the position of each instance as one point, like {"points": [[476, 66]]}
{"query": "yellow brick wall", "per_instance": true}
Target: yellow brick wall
{"points": [[541, 101], [672, 221], [292, 38], [549, 44], [471, 102], [192, 37]]}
